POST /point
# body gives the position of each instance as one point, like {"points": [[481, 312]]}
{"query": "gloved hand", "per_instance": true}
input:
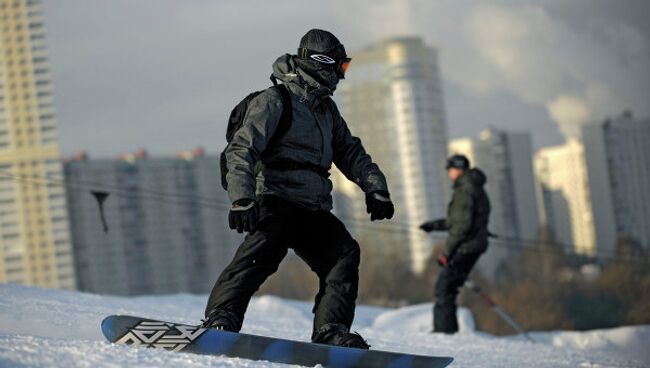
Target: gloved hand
{"points": [[435, 225], [443, 260], [379, 205], [243, 215]]}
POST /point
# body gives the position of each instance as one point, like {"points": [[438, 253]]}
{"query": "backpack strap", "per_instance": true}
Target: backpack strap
{"points": [[287, 113]]}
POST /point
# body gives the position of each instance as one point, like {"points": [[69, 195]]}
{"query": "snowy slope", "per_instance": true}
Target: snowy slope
{"points": [[53, 328]]}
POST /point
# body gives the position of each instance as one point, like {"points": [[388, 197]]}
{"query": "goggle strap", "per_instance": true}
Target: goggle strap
{"points": [[304, 52]]}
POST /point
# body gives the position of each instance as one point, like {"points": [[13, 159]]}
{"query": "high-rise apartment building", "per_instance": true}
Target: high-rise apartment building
{"points": [[34, 237], [595, 191], [617, 155], [506, 159], [167, 218], [392, 98], [565, 197]]}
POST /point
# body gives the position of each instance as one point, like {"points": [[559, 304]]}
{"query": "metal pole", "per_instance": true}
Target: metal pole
{"points": [[497, 309]]}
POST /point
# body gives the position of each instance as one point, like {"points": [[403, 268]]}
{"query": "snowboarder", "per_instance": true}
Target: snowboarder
{"points": [[467, 222], [287, 203]]}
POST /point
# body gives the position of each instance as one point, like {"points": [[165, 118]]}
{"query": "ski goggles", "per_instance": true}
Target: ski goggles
{"points": [[339, 64]]}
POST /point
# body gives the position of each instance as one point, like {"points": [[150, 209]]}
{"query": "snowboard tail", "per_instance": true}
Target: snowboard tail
{"points": [[149, 333]]}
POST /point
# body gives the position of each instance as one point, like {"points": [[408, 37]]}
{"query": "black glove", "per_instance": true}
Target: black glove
{"points": [[435, 225], [243, 215], [379, 206]]}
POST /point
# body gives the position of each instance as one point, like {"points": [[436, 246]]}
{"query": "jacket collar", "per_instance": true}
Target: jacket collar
{"points": [[299, 81]]}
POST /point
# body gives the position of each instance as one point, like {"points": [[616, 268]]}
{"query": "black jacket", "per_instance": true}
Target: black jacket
{"points": [[318, 135], [467, 214]]}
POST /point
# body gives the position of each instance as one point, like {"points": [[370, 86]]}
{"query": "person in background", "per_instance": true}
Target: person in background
{"points": [[467, 225]]}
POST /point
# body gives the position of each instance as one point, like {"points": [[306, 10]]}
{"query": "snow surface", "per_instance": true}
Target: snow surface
{"points": [[54, 328]]}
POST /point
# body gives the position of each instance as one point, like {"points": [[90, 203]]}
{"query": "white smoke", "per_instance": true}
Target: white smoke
{"points": [[569, 112], [577, 74]]}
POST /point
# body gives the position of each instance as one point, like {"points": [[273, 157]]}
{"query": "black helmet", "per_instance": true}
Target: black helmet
{"points": [[322, 49], [458, 161]]}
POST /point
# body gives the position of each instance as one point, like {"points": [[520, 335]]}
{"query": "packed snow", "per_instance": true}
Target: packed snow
{"points": [[54, 328]]}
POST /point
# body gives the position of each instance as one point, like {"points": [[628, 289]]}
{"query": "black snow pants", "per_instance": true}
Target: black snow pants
{"points": [[318, 237], [451, 278]]}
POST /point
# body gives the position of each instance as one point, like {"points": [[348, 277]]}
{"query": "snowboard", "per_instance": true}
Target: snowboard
{"points": [[150, 333]]}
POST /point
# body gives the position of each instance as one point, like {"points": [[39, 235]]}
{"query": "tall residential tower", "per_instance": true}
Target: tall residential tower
{"points": [[618, 162], [564, 196], [594, 192], [34, 238], [167, 218], [392, 98]]}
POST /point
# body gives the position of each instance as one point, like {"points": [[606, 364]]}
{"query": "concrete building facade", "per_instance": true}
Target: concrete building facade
{"points": [[594, 192], [618, 162], [565, 197], [167, 218], [392, 98], [34, 236]]}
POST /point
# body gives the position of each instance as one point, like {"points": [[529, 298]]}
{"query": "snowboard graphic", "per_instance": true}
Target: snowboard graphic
{"points": [[149, 333]]}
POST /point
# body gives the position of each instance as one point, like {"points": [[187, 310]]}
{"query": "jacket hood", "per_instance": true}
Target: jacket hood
{"points": [[472, 177], [286, 70]]}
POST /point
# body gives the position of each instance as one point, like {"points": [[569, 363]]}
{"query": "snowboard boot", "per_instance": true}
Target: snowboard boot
{"points": [[338, 335], [222, 320]]}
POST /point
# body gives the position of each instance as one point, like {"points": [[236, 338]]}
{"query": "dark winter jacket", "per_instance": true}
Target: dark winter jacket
{"points": [[318, 136], [467, 214]]}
